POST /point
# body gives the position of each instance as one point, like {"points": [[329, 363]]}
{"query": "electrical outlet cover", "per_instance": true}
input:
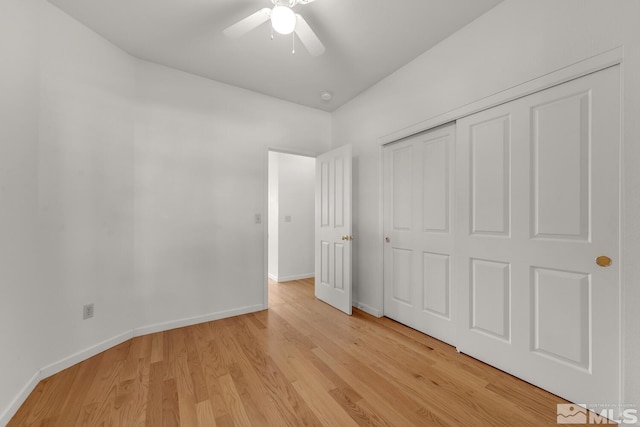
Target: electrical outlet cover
{"points": [[87, 311]]}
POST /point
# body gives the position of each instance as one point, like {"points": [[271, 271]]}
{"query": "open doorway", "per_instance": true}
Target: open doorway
{"points": [[290, 219]]}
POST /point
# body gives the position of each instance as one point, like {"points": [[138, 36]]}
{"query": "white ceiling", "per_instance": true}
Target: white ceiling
{"points": [[366, 40]]}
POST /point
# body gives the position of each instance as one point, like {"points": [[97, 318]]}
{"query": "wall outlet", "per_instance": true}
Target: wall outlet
{"points": [[258, 219], [287, 218], [87, 311]]}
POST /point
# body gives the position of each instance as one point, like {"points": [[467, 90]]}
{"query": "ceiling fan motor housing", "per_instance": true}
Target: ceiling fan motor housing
{"points": [[284, 21], [290, 3]]}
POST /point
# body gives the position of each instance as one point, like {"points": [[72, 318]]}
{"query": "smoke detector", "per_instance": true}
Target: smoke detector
{"points": [[326, 96]]}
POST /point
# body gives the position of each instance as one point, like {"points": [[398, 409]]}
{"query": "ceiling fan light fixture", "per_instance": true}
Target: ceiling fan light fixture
{"points": [[283, 20]]}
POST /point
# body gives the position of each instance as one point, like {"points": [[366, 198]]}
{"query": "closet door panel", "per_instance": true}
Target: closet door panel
{"points": [[537, 237], [418, 178]]}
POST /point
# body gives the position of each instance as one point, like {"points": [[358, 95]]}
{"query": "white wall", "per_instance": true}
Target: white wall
{"points": [[84, 129], [272, 266], [291, 253], [20, 299], [200, 178], [85, 186], [518, 41], [67, 214]]}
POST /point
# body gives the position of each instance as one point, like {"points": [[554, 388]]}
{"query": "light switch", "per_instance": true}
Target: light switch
{"points": [[258, 219]]}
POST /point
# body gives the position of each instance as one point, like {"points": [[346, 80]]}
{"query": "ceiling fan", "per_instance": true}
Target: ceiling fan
{"points": [[284, 21]]}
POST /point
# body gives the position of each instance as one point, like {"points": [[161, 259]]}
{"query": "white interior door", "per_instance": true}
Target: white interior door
{"points": [[537, 190], [418, 176], [333, 228]]}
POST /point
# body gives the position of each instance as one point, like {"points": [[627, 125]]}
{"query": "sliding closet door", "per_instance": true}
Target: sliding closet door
{"points": [[418, 176], [537, 237]]}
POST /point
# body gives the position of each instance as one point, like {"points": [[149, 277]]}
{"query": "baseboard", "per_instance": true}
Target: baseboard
{"points": [[58, 366], [8, 413], [368, 309], [293, 277], [273, 277], [78, 357], [165, 326], [82, 355]]}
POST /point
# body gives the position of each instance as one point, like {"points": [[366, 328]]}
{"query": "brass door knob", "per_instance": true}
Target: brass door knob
{"points": [[603, 261]]}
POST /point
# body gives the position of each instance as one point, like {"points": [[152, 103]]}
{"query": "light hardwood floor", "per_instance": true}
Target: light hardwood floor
{"points": [[299, 363]]}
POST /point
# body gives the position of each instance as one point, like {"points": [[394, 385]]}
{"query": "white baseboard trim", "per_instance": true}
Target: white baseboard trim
{"points": [[82, 355], [368, 309], [165, 326], [8, 413], [273, 277], [78, 357], [292, 277]]}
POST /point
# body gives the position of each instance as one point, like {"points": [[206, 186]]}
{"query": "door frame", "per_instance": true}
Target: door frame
{"points": [[579, 69], [265, 216]]}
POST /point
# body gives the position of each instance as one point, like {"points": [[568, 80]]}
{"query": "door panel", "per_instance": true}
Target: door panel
{"points": [[561, 142], [402, 182], [418, 177], [436, 284], [538, 200], [402, 276], [339, 262], [561, 296], [324, 193], [435, 185], [339, 190], [324, 264], [490, 170], [333, 228], [490, 298]]}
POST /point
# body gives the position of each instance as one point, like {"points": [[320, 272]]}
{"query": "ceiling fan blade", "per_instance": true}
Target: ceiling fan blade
{"points": [[247, 24], [308, 37]]}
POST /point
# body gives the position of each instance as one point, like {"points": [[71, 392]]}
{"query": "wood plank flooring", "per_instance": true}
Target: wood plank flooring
{"points": [[300, 363]]}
